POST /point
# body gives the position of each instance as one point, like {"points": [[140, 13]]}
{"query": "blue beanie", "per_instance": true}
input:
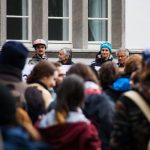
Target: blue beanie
{"points": [[14, 54], [106, 45], [146, 55]]}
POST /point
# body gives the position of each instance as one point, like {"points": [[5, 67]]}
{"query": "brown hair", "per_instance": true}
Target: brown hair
{"points": [[70, 96], [133, 63], [40, 70], [108, 73], [83, 71]]}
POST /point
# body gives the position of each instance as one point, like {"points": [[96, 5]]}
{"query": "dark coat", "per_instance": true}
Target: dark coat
{"points": [[131, 129], [99, 61], [12, 78], [100, 110]]}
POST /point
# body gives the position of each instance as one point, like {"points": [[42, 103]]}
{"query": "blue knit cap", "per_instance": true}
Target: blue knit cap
{"points": [[14, 54], [146, 55], [106, 45]]}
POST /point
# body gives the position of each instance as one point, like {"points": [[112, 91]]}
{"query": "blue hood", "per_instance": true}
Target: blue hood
{"points": [[122, 84]]}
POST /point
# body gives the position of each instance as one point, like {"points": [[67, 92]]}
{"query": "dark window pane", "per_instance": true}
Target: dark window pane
{"points": [[17, 28], [17, 7], [58, 29], [97, 30], [58, 8], [98, 8]]}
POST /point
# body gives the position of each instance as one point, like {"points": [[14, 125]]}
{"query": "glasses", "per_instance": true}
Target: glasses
{"points": [[121, 56]]}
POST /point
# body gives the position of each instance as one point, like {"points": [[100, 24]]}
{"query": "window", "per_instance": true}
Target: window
{"points": [[18, 19], [98, 20], [59, 20]]}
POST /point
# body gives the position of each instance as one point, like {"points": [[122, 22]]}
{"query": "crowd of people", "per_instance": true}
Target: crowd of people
{"points": [[80, 109]]}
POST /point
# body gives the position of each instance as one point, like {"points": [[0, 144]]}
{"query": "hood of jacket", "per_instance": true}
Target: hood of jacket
{"points": [[73, 136], [122, 84]]}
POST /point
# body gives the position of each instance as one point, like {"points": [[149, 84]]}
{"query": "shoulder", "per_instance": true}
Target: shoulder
{"points": [[33, 61], [125, 103]]}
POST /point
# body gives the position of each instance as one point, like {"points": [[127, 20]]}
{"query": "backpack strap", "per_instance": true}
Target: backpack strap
{"points": [[140, 102]]}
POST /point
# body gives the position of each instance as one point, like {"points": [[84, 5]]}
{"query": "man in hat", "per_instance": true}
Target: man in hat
{"points": [[40, 48]]}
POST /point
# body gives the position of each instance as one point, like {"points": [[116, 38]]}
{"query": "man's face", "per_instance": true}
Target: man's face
{"points": [[122, 57], [61, 75], [105, 53], [40, 49], [62, 56]]}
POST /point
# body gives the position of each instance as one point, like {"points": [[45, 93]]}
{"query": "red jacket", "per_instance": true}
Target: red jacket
{"points": [[72, 136]]}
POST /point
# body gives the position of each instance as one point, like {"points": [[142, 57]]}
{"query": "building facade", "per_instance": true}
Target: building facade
{"points": [[78, 24]]}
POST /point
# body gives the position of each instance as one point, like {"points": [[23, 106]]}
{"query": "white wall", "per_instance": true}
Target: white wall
{"points": [[137, 26]]}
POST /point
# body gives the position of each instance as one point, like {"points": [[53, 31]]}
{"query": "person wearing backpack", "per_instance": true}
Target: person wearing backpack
{"points": [[131, 128]]}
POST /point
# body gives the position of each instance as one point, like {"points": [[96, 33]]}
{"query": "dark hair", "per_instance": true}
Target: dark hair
{"points": [[40, 70], [108, 73], [135, 77], [145, 72], [70, 94], [83, 71], [35, 103]]}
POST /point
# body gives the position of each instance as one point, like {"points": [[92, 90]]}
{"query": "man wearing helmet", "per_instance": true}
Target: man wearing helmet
{"points": [[40, 47]]}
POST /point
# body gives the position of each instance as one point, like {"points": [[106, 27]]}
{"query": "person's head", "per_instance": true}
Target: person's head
{"points": [[40, 46], [70, 94], [133, 63], [122, 55], [13, 54], [105, 50], [7, 107], [145, 71], [108, 73], [61, 73], [83, 71], [65, 55], [44, 72], [35, 103]]}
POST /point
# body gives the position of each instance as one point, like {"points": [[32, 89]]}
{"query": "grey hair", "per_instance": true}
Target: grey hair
{"points": [[124, 50], [68, 52]]}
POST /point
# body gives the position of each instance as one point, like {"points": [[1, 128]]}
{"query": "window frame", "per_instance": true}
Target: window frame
{"points": [[29, 23], [108, 27], [70, 26]]}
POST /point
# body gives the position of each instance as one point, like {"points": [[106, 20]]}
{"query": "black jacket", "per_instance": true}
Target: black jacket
{"points": [[99, 60], [131, 129], [100, 109]]}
